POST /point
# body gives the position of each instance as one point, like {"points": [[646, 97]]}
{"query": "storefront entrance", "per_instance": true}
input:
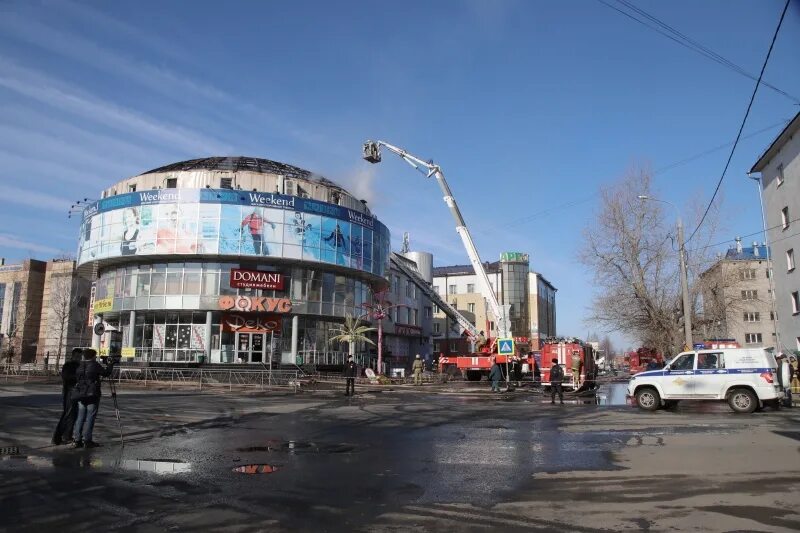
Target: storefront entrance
{"points": [[250, 348]]}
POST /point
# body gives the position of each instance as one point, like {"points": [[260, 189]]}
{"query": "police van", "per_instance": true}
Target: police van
{"points": [[744, 377]]}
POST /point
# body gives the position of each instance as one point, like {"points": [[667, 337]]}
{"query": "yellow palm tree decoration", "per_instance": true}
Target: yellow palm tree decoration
{"points": [[351, 332]]}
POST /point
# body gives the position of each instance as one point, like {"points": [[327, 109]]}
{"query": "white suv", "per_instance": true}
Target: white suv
{"points": [[744, 377]]}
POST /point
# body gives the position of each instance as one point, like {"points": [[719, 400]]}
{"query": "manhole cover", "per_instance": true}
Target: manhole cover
{"points": [[9, 450], [255, 469]]}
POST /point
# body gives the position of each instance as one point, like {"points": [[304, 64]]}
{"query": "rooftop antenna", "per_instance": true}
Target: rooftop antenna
{"points": [[406, 244]]}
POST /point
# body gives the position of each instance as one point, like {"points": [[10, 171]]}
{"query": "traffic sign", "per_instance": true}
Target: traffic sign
{"points": [[505, 346], [99, 329]]}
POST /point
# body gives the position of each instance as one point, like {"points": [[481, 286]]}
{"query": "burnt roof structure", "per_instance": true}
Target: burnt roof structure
{"points": [[244, 164]]}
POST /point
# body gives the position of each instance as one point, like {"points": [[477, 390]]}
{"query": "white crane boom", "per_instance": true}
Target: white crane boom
{"points": [[372, 154]]}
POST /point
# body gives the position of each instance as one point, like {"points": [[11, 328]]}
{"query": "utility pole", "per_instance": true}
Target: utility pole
{"points": [[687, 307]]}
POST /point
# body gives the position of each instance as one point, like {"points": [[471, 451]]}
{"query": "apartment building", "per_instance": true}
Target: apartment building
{"points": [[779, 168], [737, 297]]}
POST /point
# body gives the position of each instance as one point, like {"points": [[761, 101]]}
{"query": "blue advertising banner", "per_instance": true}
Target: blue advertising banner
{"points": [[224, 222], [224, 196]]}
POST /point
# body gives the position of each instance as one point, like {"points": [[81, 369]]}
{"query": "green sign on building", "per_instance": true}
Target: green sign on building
{"points": [[513, 257]]}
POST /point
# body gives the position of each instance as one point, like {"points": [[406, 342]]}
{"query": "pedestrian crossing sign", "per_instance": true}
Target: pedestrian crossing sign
{"points": [[505, 346]]}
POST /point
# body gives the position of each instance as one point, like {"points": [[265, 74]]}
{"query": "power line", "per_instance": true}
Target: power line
{"points": [[762, 230], [744, 121], [657, 25], [717, 148], [670, 166]]}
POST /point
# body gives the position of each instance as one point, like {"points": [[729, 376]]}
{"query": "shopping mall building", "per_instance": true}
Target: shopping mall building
{"points": [[229, 260]]}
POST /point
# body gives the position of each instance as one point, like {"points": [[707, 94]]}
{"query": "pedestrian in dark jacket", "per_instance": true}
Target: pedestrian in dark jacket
{"points": [[495, 375], [63, 432], [350, 371], [87, 395], [556, 379], [537, 373]]}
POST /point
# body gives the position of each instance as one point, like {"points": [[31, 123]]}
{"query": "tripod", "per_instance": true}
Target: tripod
{"points": [[116, 410]]}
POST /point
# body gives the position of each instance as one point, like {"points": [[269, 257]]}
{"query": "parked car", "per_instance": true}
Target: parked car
{"points": [[744, 377]]}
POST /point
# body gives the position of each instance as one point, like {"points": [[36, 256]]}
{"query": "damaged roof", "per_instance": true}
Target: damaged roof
{"points": [[240, 163]]}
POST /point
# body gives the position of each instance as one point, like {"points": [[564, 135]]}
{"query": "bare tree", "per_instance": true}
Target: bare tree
{"points": [[13, 343], [633, 255], [607, 347], [63, 299]]}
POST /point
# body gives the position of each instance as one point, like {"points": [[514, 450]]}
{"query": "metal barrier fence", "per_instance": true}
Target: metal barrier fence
{"points": [[195, 377], [203, 377]]}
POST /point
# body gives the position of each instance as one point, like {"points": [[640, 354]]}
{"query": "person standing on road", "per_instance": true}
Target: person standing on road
{"points": [[556, 380], [576, 368], [537, 372], [350, 371], [785, 374], [87, 396], [417, 368], [63, 432], [495, 375]]}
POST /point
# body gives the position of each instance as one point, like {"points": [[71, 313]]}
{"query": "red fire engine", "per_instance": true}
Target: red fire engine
{"points": [[573, 355], [472, 366], [642, 357]]}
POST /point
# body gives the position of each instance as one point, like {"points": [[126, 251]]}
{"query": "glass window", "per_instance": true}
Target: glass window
{"points": [[158, 283], [328, 283], [173, 285], [683, 362], [710, 361], [210, 283], [225, 283], [192, 282]]}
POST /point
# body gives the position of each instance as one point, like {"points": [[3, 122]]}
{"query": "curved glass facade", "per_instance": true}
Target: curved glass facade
{"points": [[207, 222], [230, 276], [199, 286]]}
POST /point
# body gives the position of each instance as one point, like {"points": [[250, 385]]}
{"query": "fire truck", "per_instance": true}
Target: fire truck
{"points": [[478, 362], [642, 357], [576, 357]]}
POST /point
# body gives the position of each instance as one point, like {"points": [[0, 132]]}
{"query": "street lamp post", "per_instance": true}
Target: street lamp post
{"points": [[687, 310]]}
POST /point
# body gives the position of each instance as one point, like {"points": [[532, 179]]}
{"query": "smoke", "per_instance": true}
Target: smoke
{"points": [[361, 183]]}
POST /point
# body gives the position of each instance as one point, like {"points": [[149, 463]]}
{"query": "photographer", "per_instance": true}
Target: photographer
{"points": [[63, 432], [87, 395]]}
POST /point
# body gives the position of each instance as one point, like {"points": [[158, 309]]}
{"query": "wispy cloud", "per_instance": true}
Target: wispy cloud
{"points": [[82, 50], [168, 81], [32, 198], [74, 147], [14, 242], [60, 95], [144, 39]]}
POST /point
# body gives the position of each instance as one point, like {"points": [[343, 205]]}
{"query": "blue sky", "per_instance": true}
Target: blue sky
{"points": [[527, 105]]}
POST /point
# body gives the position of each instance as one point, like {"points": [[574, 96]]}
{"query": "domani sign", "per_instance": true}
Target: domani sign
{"points": [[256, 279], [255, 304]]}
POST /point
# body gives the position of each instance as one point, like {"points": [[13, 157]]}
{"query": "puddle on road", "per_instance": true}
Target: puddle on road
{"points": [[157, 466], [256, 469], [299, 447], [611, 394], [81, 461]]}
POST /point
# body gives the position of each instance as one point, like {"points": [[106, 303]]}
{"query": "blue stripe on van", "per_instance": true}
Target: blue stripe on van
{"points": [[705, 372]]}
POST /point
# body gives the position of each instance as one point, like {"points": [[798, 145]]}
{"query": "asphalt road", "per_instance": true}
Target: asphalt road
{"points": [[397, 461]]}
